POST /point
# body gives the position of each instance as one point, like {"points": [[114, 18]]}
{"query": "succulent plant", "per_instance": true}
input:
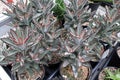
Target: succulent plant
{"points": [[110, 73], [38, 36], [114, 76], [21, 12], [59, 9], [107, 25], [21, 51]]}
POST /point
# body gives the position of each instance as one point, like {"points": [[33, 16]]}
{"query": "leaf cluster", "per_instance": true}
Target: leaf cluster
{"points": [[38, 36], [113, 75]]}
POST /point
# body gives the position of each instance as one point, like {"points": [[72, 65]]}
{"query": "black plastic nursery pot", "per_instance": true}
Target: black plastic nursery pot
{"points": [[52, 72], [112, 60], [94, 6], [68, 74], [103, 2], [8, 71], [58, 72]]}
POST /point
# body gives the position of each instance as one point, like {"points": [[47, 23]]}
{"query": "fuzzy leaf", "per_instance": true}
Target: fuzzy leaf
{"points": [[15, 66], [12, 52], [9, 42], [1, 57]]}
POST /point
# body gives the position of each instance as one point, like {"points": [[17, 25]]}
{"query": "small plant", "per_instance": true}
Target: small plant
{"points": [[113, 75], [110, 73], [38, 36], [59, 9]]}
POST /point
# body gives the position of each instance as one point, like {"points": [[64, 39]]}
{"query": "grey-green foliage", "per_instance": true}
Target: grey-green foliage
{"points": [[22, 51], [85, 41], [106, 25], [79, 37], [21, 13], [38, 34], [75, 43], [42, 17], [32, 43]]}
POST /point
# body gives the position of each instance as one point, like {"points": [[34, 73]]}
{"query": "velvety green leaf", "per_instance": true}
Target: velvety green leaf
{"points": [[72, 31], [37, 15], [16, 66], [36, 66], [58, 33], [4, 63], [79, 29], [21, 70], [49, 57], [30, 71], [42, 55], [12, 52], [1, 57], [13, 34], [8, 41]]}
